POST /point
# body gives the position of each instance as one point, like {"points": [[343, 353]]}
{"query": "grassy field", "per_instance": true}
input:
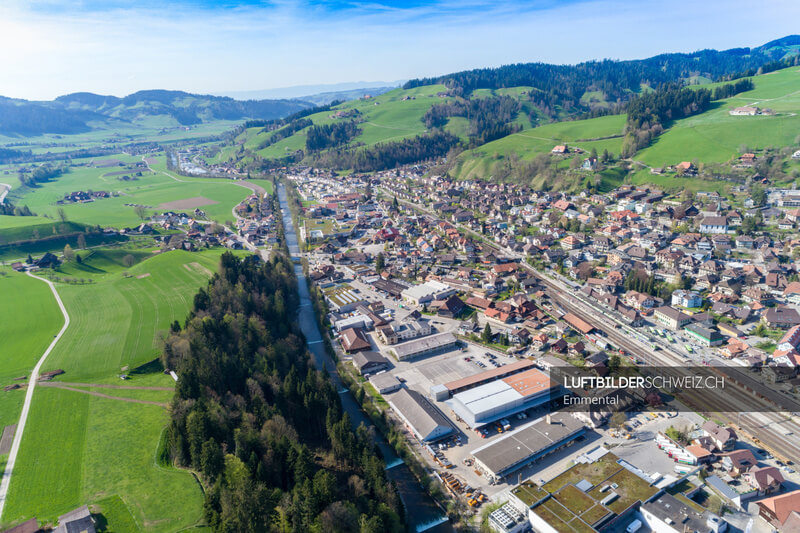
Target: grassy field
{"points": [[151, 189], [106, 448], [716, 136], [115, 321], [603, 133], [386, 117], [29, 317]]}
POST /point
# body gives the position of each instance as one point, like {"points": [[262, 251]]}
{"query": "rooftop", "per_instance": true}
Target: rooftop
{"points": [[425, 344], [516, 448], [488, 375]]}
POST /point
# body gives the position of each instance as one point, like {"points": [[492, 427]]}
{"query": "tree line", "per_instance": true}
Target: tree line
{"points": [[383, 156], [330, 135], [264, 430], [489, 118], [286, 131], [41, 174], [614, 78], [649, 112]]}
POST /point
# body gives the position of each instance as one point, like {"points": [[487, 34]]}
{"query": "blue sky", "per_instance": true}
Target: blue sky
{"points": [[53, 47]]}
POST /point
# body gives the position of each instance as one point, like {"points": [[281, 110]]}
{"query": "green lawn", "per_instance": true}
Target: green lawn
{"points": [[81, 449], [29, 318]]}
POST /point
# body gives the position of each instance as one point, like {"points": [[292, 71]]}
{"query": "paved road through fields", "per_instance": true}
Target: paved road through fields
{"points": [[23, 417]]}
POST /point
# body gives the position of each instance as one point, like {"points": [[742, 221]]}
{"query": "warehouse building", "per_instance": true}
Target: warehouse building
{"points": [[424, 420], [427, 292], [433, 344], [447, 390], [385, 383], [485, 404], [519, 448]]}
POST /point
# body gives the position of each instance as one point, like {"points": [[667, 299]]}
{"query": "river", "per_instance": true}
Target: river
{"points": [[422, 513]]}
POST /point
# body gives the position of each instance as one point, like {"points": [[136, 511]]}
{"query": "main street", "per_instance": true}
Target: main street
{"points": [[777, 431]]}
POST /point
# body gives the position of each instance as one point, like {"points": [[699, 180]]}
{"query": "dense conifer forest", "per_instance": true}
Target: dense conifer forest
{"points": [[264, 430]]}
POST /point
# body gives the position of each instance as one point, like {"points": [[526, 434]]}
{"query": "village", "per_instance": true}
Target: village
{"points": [[454, 302]]}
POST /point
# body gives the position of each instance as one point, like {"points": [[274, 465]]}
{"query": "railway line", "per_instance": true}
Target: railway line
{"points": [[776, 431]]}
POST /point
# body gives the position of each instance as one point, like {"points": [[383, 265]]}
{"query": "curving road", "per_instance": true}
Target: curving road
{"points": [[23, 417]]}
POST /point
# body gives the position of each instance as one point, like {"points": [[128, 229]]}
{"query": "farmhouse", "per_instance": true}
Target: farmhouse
{"points": [[744, 111]]}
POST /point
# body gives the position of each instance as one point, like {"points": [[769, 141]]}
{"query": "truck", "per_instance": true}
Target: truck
{"points": [[506, 424], [634, 526]]}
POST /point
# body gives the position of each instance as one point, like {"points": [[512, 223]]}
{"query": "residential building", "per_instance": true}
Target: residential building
{"points": [[671, 317]]}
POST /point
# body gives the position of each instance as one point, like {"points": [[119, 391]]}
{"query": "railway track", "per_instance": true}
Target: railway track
{"points": [[776, 431]]}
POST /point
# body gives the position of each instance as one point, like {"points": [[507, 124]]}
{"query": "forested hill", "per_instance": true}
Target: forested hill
{"points": [[79, 112], [265, 430], [618, 78]]}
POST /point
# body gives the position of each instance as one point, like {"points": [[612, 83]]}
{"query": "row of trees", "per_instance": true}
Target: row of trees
{"points": [[41, 174], [265, 430]]}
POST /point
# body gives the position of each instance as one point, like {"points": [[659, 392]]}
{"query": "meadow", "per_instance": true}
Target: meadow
{"points": [[603, 133], [386, 117], [29, 317], [81, 448], [715, 136], [151, 190]]}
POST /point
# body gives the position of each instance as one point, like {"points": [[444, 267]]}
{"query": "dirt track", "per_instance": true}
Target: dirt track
{"points": [[104, 386], [65, 386]]}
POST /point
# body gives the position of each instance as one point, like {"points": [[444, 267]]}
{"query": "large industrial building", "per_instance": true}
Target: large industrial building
{"points": [[519, 448], [447, 390], [430, 345], [485, 404], [427, 292], [422, 418]]}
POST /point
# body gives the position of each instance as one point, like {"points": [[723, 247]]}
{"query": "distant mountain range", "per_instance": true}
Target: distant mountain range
{"points": [[305, 92], [556, 88], [80, 112]]}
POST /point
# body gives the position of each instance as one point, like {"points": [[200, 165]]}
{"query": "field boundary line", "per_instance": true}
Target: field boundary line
{"points": [[12, 457]]}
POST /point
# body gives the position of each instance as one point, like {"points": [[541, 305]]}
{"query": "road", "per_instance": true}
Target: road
{"points": [[6, 189], [776, 431], [422, 512], [23, 417]]}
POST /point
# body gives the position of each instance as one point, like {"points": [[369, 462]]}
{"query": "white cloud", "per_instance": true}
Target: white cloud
{"points": [[118, 51]]}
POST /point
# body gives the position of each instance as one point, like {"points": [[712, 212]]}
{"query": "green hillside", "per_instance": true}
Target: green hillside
{"points": [[602, 133], [715, 136], [387, 117]]}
